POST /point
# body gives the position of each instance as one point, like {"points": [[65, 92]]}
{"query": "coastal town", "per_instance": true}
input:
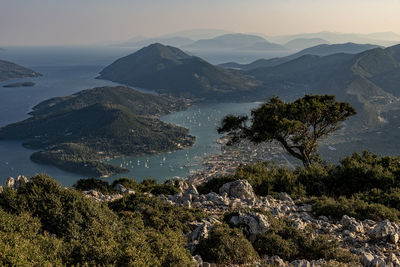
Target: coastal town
{"points": [[235, 155]]}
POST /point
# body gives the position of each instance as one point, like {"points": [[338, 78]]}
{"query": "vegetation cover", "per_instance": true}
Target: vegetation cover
{"points": [[78, 132]]}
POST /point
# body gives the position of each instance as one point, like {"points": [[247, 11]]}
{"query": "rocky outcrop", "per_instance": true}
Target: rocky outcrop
{"points": [[254, 223], [99, 197], [238, 189], [120, 188], [15, 183], [386, 231]]}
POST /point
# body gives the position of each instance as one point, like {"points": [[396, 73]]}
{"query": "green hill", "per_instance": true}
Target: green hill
{"points": [[368, 80], [75, 139], [318, 50], [169, 70], [136, 102], [9, 70]]}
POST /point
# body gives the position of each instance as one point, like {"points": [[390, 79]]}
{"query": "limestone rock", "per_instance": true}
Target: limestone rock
{"points": [[352, 224], [10, 182], [366, 259], [300, 263], [255, 223], [385, 230], [285, 197], [21, 180], [238, 189]]}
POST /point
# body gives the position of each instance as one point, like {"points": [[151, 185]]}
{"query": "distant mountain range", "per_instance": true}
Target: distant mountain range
{"points": [[383, 38], [168, 69], [319, 50], [369, 80], [303, 43], [9, 70], [235, 42], [76, 132]]}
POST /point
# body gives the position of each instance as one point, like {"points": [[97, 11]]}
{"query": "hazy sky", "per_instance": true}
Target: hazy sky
{"points": [[36, 22]]}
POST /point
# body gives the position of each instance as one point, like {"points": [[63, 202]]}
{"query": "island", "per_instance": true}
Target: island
{"points": [[9, 70], [20, 84], [78, 132]]}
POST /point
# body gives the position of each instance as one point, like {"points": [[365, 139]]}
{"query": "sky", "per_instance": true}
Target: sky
{"points": [[67, 22]]}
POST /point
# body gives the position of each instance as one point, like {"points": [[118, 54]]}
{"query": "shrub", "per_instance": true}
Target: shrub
{"points": [[226, 246], [156, 213], [286, 241], [353, 207], [214, 185], [95, 184]]}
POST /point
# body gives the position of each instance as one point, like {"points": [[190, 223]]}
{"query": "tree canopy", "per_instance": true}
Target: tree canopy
{"points": [[297, 126]]}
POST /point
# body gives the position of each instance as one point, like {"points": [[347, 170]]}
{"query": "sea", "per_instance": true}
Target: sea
{"points": [[67, 70]]}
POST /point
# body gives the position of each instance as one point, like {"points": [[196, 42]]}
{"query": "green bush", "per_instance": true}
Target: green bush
{"points": [[284, 240], [353, 207], [95, 184], [226, 246], [42, 223], [214, 185], [156, 213]]}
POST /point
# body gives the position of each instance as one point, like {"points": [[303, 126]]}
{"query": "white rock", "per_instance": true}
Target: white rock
{"points": [[255, 223], [384, 230], [10, 182], [351, 224], [366, 259], [300, 263], [238, 189]]}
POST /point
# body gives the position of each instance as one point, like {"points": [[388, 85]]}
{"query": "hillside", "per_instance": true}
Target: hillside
{"points": [[9, 70], [136, 102], [76, 134], [319, 50], [367, 80], [169, 70]]}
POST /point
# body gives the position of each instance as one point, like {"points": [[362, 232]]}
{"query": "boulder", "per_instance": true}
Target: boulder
{"points": [[10, 182], [352, 224], [300, 263], [255, 223], [366, 259], [21, 180], [120, 188], [285, 197], [202, 231], [274, 261], [238, 189], [385, 230]]}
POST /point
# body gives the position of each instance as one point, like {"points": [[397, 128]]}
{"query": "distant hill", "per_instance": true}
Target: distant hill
{"points": [[383, 39], [169, 70], [368, 80], [235, 41], [319, 50], [9, 70], [79, 130], [303, 43]]}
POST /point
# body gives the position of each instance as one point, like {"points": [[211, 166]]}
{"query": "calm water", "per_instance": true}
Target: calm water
{"points": [[15, 103]]}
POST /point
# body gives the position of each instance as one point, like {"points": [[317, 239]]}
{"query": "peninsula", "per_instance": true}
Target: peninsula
{"points": [[77, 132]]}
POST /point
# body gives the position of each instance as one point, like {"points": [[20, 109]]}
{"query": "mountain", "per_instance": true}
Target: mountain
{"points": [[303, 43], [9, 70], [172, 40], [383, 39], [76, 132], [368, 80], [319, 50], [236, 41], [169, 70]]}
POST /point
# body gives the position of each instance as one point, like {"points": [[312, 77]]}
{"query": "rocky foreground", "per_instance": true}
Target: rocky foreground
{"points": [[376, 244]]}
